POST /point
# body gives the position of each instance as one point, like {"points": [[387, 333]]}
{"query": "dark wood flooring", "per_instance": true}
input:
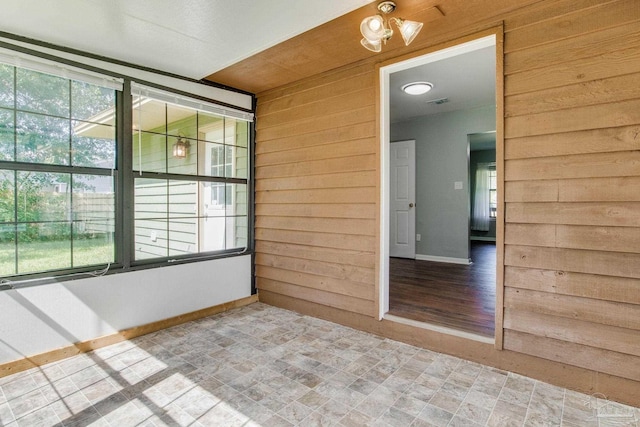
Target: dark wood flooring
{"points": [[460, 297]]}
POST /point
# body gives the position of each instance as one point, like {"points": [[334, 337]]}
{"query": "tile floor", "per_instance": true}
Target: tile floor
{"points": [[264, 366]]}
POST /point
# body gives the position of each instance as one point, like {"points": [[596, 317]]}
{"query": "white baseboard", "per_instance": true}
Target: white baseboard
{"points": [[450, 260], [483, 239]]}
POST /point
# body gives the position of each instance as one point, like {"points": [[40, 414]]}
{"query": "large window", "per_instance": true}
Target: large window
{"points": [[57, 204], [63, 205], [190, 171]]}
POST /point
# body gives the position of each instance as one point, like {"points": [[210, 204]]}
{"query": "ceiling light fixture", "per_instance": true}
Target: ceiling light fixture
{"points": [[376, 29], [417, 88]]}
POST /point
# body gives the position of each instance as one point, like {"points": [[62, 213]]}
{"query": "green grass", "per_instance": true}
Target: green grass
{"points": [[43, 256]]}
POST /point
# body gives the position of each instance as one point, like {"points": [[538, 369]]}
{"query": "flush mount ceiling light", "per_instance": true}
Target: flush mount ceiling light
{"points": [[376, 29], [417, 88]]}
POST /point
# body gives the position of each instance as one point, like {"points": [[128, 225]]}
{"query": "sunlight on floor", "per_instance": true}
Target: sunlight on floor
{"points": [[263, 366]]}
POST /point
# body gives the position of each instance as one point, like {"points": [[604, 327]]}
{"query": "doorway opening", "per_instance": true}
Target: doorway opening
{"points": [[436, 272]]}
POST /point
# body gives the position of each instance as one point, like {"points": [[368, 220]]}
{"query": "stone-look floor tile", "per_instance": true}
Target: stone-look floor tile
{"points": [[458, 421], [363, 386], [313, 399], [317, 420], [334, 410], [397, 418], [446, 401], [19, 387], [259, 366], [22, 405], [480, 399], [101, 390], [435, 415], [515, 397], [356, 419], [295, 412], [88, 416], [473, 412], [110, 403], [43, 417], [410, 405], [507, 414], [6, 416]]}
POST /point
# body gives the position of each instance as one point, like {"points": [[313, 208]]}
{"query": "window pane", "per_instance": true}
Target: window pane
{"points": [[93, 145], [151, 239], [42, 197], [94, 220], [154, 152], [149, 115], [182, 121], [236, 199], [92, 103], [211, 127], [6, 86], [42, 139], [43, 247], [151, 198], [237, 162], [151, 222], [183, 236], [7, 250], [214, 160], [42, 93], [183, 199], [242, 134], [6, 135], [213, 233], [183, 156], [214, 194], [7, 196], [236, 232], [93, 243]]}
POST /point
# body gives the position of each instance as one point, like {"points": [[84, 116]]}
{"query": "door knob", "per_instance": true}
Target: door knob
{"points": [[410, 205]]}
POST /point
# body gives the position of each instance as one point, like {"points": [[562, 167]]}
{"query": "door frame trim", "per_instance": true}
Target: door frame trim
{"points": [[491, 37]]}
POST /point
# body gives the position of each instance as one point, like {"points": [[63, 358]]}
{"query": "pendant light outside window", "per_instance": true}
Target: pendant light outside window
{"points": [[377, 30]]}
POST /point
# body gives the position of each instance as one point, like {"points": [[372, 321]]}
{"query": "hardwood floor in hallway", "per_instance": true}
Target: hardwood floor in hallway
{"points": [[457, 296]]}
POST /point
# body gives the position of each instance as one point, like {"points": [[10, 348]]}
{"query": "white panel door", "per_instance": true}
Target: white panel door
{"points": [[402, 233]]}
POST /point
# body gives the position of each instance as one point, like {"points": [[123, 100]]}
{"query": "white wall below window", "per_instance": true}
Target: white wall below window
{"points": [[43, 318]]}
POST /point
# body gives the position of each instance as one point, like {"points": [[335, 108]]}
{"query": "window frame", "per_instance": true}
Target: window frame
{"points": [[493, 208], [123, 175]]}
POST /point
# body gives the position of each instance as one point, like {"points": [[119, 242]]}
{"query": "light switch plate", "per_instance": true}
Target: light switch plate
{"points": [[457, 185]]}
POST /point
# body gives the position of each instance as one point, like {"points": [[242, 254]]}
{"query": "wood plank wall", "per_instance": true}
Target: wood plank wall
{"points": [[572, 172], [572, 186], [316, 196]]}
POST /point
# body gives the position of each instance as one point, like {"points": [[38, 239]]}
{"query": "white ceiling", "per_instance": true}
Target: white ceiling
{"points": [[467, 80], [192, 38]]}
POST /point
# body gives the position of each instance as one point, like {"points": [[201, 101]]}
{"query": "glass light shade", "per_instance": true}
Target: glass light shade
{"points": [[417, 88], [372, 28], [180, 149], [409, 30], [373, 46]]}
